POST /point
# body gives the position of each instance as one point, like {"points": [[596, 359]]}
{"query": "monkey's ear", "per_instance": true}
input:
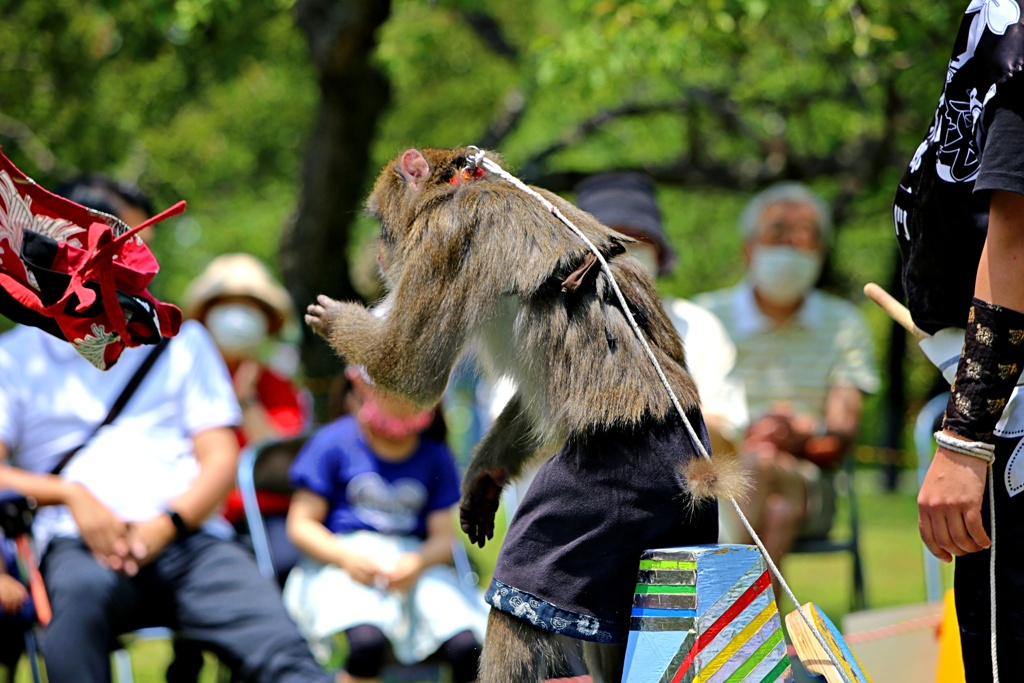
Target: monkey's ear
{"points": [[415, 169]]}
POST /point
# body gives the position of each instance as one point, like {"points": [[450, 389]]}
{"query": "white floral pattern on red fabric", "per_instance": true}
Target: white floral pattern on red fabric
{"points": [[93, 346], [16, 217], [105, 305]]}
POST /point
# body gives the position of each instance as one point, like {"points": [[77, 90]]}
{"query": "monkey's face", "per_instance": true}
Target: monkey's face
{"points": [[407, 189]]}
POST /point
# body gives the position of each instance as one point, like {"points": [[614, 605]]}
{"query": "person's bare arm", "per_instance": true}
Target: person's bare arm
{"points": [[949, 504], [46, 489], [216, 451], [801, 434], [842, 419], [12, 593], [307, 532], [104, 532], [1002, 259]]}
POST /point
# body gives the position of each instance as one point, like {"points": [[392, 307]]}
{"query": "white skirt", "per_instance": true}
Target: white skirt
{"points": [[323, 600]]}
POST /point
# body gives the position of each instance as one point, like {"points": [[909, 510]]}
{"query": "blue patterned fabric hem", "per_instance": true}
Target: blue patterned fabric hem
{"points": [[543, 614]]}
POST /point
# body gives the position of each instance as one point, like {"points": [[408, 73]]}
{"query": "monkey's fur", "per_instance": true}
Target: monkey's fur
{"points": [[470, 260]]}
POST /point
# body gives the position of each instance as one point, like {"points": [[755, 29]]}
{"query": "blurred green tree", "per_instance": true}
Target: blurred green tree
{"points": [[272, 116]]}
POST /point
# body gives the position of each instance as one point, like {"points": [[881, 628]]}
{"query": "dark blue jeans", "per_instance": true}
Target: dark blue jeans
{"points": [[204, 588]]}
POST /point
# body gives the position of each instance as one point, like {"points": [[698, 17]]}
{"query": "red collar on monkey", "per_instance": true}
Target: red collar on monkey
{"points": [[467, 174]]}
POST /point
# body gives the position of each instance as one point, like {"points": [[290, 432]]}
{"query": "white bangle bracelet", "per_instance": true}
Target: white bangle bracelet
{"points": [[976, 449]]}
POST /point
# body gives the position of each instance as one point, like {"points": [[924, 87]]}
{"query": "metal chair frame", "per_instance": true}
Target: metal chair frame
{"points": [[29, 634], [122, 659], [32, 654], [924, 443], [858, 598]]}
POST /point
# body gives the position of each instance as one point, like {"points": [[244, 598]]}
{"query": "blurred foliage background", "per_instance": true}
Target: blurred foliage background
{"points": [[225, 103]]}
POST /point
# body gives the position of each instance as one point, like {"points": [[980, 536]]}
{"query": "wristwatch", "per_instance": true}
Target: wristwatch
{"points": [[181, 529]]}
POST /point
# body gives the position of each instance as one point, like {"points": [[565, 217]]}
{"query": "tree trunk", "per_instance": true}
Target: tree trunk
{"points": [[353, 96]]}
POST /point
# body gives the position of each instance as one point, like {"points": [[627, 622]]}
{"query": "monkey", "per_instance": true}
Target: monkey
{"points": [[471, 262]]}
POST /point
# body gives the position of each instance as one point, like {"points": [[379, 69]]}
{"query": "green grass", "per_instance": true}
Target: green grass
{"points": [[891, 552], [149, 662]]}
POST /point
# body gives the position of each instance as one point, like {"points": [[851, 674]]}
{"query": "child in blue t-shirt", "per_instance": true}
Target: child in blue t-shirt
{"points": [[372, 513]]}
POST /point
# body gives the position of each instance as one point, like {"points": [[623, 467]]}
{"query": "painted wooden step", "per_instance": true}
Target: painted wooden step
{"points": [[705, 614]]}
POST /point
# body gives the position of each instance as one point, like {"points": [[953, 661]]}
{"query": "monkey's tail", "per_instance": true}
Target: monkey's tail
{"points": [[722, 476]]}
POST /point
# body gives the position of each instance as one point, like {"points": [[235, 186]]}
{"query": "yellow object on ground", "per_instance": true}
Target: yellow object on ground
{"points": [[951, 662]]}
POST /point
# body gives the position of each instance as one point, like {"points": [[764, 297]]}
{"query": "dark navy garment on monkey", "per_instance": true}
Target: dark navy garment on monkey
{"points": [[570, 559]]}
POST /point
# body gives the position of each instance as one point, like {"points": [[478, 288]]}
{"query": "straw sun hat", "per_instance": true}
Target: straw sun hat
{"points": [[232, 275]]}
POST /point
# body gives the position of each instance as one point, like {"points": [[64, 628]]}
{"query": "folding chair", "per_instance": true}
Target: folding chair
{"points": [[265, 466], [122, 659], [15, 567], [928, 420], [19, 560], [851, 544]]}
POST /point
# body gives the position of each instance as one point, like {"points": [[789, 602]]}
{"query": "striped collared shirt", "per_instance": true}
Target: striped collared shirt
{"points": [[825, 344]]}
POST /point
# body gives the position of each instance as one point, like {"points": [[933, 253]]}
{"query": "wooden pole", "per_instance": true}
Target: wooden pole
{"points": [[894, 309]]}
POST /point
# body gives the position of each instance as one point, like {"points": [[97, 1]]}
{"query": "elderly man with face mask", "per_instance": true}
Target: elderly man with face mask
{"points": [[804, 359]]}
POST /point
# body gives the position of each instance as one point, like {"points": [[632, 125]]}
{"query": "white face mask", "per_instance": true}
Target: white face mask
{"points": [[783, 274], [236, 328]]}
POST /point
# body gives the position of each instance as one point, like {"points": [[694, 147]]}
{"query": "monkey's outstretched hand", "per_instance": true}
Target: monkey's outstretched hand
{"points": [[480, 503]]}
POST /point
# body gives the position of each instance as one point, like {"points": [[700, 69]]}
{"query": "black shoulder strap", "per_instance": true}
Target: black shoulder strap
{"points": [[119, 403]]}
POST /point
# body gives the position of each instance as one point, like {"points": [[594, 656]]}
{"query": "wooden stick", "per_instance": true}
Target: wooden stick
{"points": [[894, 309]]}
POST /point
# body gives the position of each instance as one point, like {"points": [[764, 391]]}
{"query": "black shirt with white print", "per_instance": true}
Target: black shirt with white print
{"points": [[973, 146]]}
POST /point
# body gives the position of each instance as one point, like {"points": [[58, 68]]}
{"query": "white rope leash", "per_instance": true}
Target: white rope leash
{"points": [[479, 158], [975, 449], [982, 451], [992, 571]]}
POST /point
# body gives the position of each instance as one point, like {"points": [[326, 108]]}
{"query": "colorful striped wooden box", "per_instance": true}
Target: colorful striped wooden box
{"points": [[705, 614]]}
